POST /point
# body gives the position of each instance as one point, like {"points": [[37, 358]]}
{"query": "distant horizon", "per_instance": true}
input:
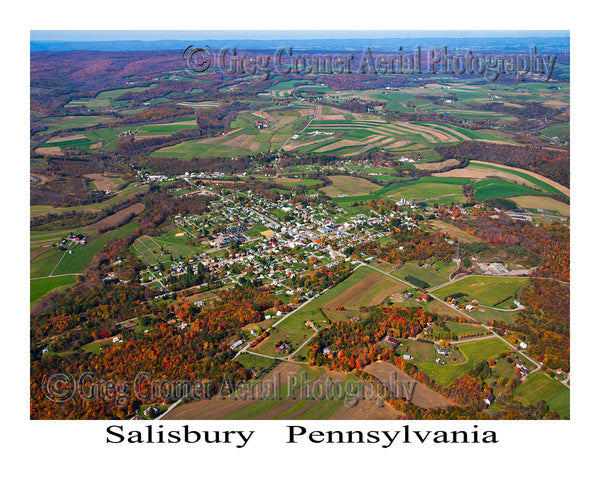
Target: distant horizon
{"points": [[65, 36]]}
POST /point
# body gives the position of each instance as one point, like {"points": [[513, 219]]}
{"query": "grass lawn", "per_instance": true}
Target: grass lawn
{"points": [[508, 370], [420, 351], [39, 288], [346, 185], [561, 403], [82, 254], [487, 289], [536, 388], [496, 316], [433, 189], [42, 265], [463, 328], [474, 352], [292, 330], [437, 274], [254, 361], [497, 188], [70, 122]]}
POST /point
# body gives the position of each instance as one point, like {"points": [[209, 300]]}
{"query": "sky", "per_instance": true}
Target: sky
{"points": [[150, 35]]}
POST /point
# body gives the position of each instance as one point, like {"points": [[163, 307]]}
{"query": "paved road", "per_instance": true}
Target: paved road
{"points": [[54, 276], [490, 329]]}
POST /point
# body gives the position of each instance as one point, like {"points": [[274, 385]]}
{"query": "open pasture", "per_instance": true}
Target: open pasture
{"points": [[107, 99], [71, 122], [487, 289], [536, 388], [347, 185], [246, 138], [434, 273], [36, 210], [475, 352], [544, 203], [372, 290]]}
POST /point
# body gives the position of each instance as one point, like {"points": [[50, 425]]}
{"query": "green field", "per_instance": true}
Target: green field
{"points": [[59, 262], [166, 128], [497, 188], [82, 254], [106, 99], [148, 249], [464, 328], [436, 274], [347, 185], [487, 289], [444, 190], [428, 189], [35, 210], [255, 361], [72, 122], [559, 130], [496, 316], [538, 387], [561, 403], [41, 287], [475, 352], [244, 139], [547, 187]]}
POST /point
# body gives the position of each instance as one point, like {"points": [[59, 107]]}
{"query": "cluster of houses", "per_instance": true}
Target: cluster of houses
{"points": [[74, 238]]}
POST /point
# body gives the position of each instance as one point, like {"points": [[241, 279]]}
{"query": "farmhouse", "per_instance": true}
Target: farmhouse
{"points": [[393, 342], [283, 347], [522, 368], [442, 351], [237, 344], [489, 399]]}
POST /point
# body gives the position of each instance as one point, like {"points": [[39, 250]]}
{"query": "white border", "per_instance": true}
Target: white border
{"points": [[69, 449]]}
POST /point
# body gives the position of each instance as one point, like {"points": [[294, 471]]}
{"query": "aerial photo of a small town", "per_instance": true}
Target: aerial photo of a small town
{"points": [[300, 228]]}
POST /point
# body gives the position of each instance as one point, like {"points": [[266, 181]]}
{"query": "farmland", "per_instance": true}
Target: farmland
{"points": [[278, 396], [122, 195], [343, 186], [488, 290], [434, 273], [43, 286], [245, 138], [265, 229], [58, 268], [474, 352], [540, 387]]}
